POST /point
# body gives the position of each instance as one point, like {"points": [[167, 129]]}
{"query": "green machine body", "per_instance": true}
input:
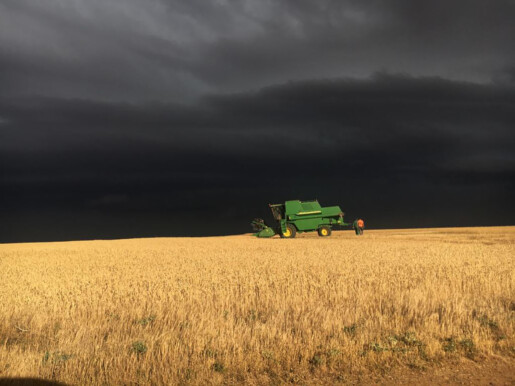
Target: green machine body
{"points": [[297, 216]]}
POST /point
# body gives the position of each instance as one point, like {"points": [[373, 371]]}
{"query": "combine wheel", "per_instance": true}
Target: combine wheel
{"points": [[324, 231], [290, 232]]}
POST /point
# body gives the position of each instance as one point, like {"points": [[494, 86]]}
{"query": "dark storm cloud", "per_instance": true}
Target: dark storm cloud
{"points": [[174, 50], [334, 118], [403, 140], [136, 118]]}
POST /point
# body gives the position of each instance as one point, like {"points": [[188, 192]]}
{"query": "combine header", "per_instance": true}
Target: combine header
{"points": [[296, 216]]}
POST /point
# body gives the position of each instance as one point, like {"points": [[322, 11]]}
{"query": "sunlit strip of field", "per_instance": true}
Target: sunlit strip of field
{"points": [[244, 310]]}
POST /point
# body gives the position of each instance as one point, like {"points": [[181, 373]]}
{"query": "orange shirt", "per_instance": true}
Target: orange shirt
{"points": [[361, 223]]}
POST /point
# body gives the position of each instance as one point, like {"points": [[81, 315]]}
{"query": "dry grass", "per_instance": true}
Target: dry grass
{"points": [[238, 309]]}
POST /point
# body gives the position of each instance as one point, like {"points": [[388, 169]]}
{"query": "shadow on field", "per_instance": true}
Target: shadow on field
{"points": [[28, 381]]}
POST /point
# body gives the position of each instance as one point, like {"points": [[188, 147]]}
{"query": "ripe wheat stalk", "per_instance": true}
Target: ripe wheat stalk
{"points": [[244, 310]]}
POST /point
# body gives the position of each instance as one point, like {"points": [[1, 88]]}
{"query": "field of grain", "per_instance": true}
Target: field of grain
{"points": [[243, 310]]}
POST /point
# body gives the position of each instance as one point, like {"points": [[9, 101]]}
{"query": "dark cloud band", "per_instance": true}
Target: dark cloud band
{"points": [[397, 141]]}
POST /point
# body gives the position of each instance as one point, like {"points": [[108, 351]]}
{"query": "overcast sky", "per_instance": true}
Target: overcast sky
{"points": [[141, 118]]}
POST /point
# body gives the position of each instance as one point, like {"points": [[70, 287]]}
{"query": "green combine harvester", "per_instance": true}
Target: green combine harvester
{"points": [[300, 216]]}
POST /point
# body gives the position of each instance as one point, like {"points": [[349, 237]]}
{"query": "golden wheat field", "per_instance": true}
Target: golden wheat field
{"points": [[239, 310]]}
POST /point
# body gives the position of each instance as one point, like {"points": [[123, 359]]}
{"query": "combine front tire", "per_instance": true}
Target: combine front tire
{"points": [[290, 232], [324, 231]]}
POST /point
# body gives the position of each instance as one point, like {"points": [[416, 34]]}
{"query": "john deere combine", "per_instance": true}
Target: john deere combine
{"points": [[296, 216]]}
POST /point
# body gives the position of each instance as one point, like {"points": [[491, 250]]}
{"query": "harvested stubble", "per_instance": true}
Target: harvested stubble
{"points": [[238, 309]]}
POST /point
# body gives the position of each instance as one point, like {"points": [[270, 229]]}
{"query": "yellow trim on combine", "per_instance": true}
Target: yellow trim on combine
{"points": [[287, 233], [312, 212]]}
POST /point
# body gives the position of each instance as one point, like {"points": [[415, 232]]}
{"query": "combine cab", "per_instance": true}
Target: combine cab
{"points": [[296, 216]]}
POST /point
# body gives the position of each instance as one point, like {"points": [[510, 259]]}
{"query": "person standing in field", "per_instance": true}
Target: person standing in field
{"points": [[361, 226], [355, 226]]}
